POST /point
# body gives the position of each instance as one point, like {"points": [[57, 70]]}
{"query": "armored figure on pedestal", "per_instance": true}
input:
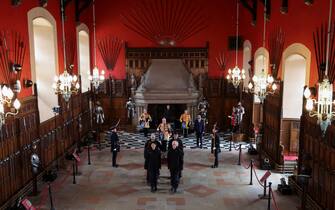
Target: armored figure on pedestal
{"points": [[203, 109], [130, 106], [99, 113]]}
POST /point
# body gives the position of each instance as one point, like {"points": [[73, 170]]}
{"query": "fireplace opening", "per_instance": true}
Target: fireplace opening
{"points": [[158, 111]]}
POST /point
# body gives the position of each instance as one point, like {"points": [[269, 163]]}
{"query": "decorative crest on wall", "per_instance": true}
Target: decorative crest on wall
{"points": [[165, 22]]}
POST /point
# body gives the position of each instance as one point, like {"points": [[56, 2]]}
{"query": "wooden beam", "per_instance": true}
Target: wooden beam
{"points": [[268, 8], [284, 6], [81, 7], [65, 3], [16, 2], [252, 9]]}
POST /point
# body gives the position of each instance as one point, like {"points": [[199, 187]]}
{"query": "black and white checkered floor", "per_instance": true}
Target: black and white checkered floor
{"points": [[137, 141]]}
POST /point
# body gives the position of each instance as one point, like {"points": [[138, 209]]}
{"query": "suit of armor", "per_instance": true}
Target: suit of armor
{"points": [[99, 112], [130, 105]]}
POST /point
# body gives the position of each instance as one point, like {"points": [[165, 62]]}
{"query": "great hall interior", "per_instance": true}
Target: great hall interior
{"points": [[94, 94]]}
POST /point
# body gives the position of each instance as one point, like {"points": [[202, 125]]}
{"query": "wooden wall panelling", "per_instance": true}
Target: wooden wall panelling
{"points": [[321, 151], [221, 96], [248, 104], [271, 124], [51, 137]]}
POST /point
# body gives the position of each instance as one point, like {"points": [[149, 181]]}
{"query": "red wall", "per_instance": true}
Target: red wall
{"points": [[221, 15], [15, 19], [298, 24]]}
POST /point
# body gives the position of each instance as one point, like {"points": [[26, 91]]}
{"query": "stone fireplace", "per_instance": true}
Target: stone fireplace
{"points": [[167, 81]]}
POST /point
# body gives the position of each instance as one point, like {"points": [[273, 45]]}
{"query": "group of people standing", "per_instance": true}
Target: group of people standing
{"points": [[168, 147], [153, 160]]}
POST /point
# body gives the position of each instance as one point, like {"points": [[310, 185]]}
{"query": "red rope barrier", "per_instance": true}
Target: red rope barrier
{"points": [[274, 200], [259, 182], [244, 164]]}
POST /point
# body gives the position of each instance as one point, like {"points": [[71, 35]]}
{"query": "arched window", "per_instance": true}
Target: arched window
{"points": [[246, 59], [43, 58], [83, 44], [261, 60], [295, 74]]}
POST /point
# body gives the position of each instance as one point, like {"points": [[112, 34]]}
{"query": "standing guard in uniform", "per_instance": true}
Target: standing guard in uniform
{"points": [[215, 149], [199, 127], [145, 120], [175, 165], [185, 120], [168, 115], [115, 146], [153, 157]]}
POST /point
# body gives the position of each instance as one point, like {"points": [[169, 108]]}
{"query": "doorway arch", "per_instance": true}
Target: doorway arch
{"points": [[295, 74], [43, 58]]}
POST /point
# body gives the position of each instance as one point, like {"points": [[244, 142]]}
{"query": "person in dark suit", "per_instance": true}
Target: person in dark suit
{"points": [[168, 115], [147, 146], [153, 157], [199, 127], [176, 138], [180, 147], [175, 165], [115, 147], [215, 146]]}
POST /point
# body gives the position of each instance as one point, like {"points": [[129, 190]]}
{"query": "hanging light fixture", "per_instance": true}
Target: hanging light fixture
{"points": [[6, 99], [96, 78], [323, 106], [262, 84], [65, 84], [235, 75]]}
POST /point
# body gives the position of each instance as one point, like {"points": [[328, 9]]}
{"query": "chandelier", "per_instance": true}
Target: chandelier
{"points": [[322, 107], [6, 99], [96, 78], [262, 84], [65, 84], [236, 75]]}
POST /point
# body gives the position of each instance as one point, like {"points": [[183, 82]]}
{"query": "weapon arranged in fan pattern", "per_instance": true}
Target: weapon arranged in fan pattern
{"points": [[320, 48], [165, 22], [276, 47], [110, 48], [221, 61], [12, 54]]}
